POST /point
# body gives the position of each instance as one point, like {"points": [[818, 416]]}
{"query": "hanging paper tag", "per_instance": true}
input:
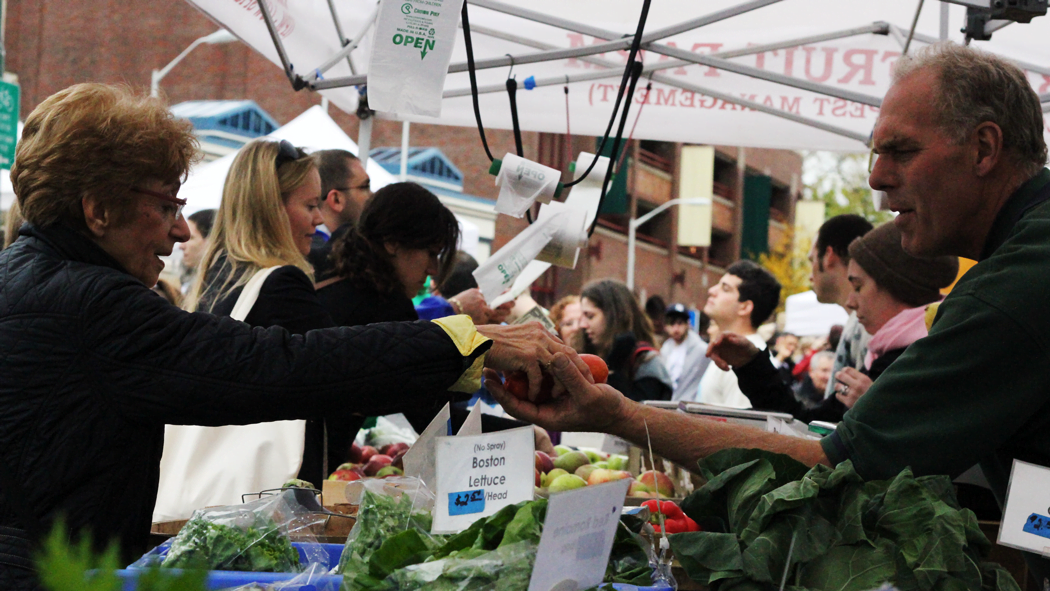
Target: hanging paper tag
{"points": [[411, 51], [577, 537], [477, 476], [1026, 514], [521, 183]]}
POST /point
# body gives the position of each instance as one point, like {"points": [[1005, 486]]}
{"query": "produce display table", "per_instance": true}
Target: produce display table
{"points": [[227, 579]]}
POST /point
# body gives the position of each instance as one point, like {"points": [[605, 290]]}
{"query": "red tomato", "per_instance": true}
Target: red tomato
{"points": [[599, 370], [517, 383]]}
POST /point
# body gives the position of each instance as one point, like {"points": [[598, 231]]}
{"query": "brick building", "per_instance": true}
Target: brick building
{"points": [[52, 44]]}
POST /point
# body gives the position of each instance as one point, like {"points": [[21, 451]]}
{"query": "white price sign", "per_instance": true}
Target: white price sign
{"points": [[477, 476], [578, 536]]}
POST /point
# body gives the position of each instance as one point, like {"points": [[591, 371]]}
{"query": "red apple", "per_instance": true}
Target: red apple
{"points": [[544, 463], [657, 482], [377, 463], [539, 478], [348, 475], [391, 449], [398, 459], [366, 454], [355, 453]]}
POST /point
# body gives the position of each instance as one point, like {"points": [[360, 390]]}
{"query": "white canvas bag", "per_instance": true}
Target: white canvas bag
{"points": [[210, 466]]}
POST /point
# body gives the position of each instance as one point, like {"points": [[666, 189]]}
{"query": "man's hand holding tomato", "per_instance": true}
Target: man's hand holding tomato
{"points": [[582, 405]]}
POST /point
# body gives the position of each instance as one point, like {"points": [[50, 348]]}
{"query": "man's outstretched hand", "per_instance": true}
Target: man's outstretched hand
{"points": [[731, 350]]}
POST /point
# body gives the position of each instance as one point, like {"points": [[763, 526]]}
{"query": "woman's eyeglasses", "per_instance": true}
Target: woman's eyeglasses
{"points": [[179, 203]]}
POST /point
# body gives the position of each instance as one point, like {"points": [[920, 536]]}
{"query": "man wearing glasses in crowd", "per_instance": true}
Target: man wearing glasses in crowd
{"points": [[345, 187], [961, 159]]}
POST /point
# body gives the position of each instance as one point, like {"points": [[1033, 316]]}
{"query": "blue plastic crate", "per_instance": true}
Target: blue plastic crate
{"points": [[222, 579]]}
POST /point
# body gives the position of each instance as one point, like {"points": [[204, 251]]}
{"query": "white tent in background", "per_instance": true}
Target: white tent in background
{"points": [[807, 317], [312, 130]]}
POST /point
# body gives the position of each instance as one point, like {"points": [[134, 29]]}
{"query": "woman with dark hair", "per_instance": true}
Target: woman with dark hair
{"points": [[614, 327], [405, 234]]}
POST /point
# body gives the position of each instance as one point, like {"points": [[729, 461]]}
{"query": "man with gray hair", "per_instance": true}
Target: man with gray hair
{"points": [[961, 158]]}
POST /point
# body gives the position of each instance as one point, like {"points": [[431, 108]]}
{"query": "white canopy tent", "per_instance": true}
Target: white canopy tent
{"points": [[765, 73], [805, 316], [312, 130]]}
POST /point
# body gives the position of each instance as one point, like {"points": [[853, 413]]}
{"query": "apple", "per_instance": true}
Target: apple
{"points": [[657, 482], [366, 454], [566, 482], [571, 461], [392, 449], [544, 463], [539, 479], [602, 464], [355, 453], [560, 450], [550, 476], [585, 471], [601, 475], [637, 489], [596, 456], [347, 466], [389, 471], [398, 459], [617, 462], [377, 463], [347, 475]]}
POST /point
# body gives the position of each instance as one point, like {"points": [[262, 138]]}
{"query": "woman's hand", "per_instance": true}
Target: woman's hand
{"points": [[530, 348], [731, 350], [851, 386]]}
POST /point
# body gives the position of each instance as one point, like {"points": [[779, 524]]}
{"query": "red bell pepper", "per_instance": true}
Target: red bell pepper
{"points": [[675, 521]]}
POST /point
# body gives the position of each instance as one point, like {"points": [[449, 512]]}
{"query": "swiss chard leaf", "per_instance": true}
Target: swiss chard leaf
{"points": [[851, 568], [702, 554]]}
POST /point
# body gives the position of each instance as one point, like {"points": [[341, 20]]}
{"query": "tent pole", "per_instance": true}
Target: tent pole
{"points": [[404, 149], [348, 46], [364, 139], [1045, 70], [339, 31], [944, 20], [297, 82]]}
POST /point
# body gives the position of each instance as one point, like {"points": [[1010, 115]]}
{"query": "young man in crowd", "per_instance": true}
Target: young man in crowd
{"points": [[684, 352], [741, 301], [784, 346], [961, 157], [829, 259], [345, 187]]}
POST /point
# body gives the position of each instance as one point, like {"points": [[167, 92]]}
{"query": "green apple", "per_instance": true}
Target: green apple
{"points": [[585, 470], [595, 456], [571, 461], [562, 449], [602, 464], [550, 476], [566, 482], [637, 489], [617, 462]]}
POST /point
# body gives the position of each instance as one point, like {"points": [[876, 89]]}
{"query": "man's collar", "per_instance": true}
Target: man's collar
{"points": [[1024, 198]]}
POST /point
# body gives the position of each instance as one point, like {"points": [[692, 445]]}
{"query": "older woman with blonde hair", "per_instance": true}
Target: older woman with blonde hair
{"points": [[97, 364]]}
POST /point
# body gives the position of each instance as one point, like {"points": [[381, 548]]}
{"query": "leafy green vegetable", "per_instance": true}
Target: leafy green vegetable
{"points": [[507, 568], [838, 532], [382, 523], [260, 547]]}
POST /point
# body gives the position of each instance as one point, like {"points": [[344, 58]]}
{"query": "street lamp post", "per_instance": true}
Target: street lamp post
{"points": [[632, 230], [220, 36]]}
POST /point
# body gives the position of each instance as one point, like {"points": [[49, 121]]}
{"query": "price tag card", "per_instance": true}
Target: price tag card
{"points": [[477, 476], [1026, 516], [419, 459], [578, 536]]}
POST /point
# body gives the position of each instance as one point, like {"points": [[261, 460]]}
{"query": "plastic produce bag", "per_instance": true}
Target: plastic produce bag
{"points": [[311, 579], [508, 567], [392, 530], [249, 537]]}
